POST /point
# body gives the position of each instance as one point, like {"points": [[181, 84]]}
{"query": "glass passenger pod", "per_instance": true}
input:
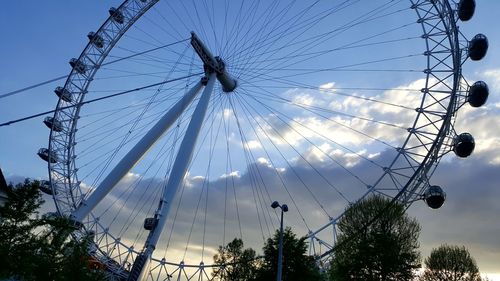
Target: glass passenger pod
{"points": [[463, 145], [63, 94], [78, 66], [116, 15], [434, 197], [53, 123], [96, 39], [47, 155], [46, 188], [478, 94], [466, 9], [478, 47]]}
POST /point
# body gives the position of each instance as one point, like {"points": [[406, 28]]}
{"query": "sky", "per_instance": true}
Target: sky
{"points": [[42, 39]]}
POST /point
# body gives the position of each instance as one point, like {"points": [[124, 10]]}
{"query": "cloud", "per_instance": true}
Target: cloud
{"points": [[326, 86], [253, 144], [492, 78]]}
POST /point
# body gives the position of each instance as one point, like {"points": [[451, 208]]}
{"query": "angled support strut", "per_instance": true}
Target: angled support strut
{"points": [[131, 158], [141, 265]]}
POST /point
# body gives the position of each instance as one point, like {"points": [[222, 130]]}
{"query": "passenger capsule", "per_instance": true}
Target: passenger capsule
{"points": [[478, 47], [77, 66], [116, 15], [478, 94], [53, 124], [96, 40], [45, 187], [47, 155], [434, 197], [63, 94], [463, 145], [466, 9], [150, 223]]}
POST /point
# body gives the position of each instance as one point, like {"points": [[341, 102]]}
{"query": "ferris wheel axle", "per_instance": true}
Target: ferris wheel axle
{"points": [[213, 64]]}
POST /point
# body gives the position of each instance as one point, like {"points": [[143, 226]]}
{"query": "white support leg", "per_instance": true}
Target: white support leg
{"points": [[176, 178], [133, 156]]}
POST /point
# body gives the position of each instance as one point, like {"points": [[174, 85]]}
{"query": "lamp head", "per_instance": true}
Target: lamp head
{"points": [[275, 204], [284, 207]]}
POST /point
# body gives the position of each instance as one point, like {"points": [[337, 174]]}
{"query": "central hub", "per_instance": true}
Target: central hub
{"points": [[213, 64]]}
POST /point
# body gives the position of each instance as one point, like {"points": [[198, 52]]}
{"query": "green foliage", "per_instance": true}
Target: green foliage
{"points": [[297, 265], [376, 241], [450, 263], [36, 248], [239, 264], [243, 265]]}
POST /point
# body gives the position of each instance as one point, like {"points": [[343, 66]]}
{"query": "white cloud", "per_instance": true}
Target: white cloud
{"points": [[326, 86], [253, 144], [492, 78]]}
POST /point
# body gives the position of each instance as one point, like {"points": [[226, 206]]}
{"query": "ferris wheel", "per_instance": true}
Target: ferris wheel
{"points": [[182, 121]]}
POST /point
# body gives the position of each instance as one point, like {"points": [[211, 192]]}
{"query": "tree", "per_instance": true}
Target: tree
{"points": [[450, 263], [36, 248], [237, 264], [17, 225], [297, 265], [376, 241]]}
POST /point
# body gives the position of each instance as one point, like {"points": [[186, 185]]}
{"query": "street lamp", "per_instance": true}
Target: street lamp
{"points": [[284, 208]]}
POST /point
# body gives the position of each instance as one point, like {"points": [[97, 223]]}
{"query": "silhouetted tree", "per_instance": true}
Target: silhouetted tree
{"points": [[237, 264], [297, 265], [376, 241], [450, 263], [36, 248]]}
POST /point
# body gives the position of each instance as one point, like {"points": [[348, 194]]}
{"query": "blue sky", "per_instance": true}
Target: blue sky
{"points": [[42, 39]]}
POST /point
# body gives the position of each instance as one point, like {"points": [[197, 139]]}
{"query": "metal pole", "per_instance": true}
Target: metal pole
{"points": [[280, 249]]}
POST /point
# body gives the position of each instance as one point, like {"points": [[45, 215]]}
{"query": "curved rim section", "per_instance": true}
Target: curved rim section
{"points": [[444, 63], [64, 172]]}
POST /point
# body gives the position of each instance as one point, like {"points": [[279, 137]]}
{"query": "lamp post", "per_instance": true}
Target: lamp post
{"points": [[284, 208]]}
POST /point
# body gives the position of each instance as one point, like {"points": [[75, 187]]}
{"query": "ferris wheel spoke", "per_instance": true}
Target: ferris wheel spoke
{"points": [[277, 30], [240, 37], [289, 120], [304, 57], [318, 39], [302, 157], [342, 67], [338, 91], [318, 110], [256, 177], [258, 182], [272, 162], [250, 21], [323, 37]]}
